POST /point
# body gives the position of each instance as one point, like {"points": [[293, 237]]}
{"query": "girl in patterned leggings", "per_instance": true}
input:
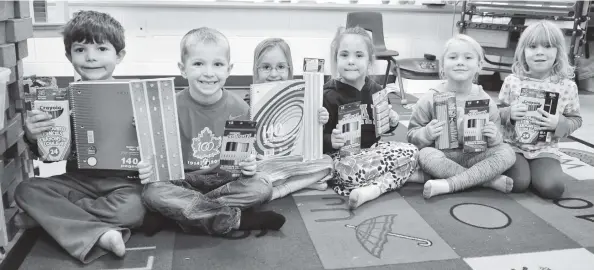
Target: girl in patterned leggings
{"points": [[452, 169], [381, 166]]}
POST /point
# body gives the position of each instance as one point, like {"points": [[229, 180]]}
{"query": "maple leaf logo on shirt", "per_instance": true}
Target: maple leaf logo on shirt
{"points": [[206, 145]]}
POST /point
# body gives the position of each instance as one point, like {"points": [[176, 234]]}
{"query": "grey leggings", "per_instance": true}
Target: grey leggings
{"points": [[465, 170], [544, 174]]}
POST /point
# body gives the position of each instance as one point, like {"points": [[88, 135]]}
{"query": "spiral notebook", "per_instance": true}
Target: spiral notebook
{"points": [[278, 109], [106, 121]]}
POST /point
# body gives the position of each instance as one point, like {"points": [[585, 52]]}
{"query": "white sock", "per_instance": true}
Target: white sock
{"points": [[435, 187], [112, 241], [501, 183], [363, 194]]}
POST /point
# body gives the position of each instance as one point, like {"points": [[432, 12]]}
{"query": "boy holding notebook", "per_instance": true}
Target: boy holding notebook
{"points": [[209, 200], [88, 212]]}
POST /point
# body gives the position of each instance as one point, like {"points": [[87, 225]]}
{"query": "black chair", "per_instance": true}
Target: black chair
{"points": [[373, 22]]}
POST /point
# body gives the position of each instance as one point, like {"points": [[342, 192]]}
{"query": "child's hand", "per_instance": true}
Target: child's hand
{"points": [[518, 111], [547, 121], [323, 115], [337, 139], [145, 170], [36, 123], [490, 130], [394, 118], [434, 129], [248, 166]]}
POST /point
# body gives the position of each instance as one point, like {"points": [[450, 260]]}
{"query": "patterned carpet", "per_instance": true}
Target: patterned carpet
{"points": [[479, 229]]}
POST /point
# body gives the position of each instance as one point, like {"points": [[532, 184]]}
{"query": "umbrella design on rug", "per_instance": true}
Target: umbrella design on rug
{"points": [[373, 234]]}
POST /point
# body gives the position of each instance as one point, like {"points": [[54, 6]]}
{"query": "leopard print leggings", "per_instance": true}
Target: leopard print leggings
{"points": [[386, 164]]}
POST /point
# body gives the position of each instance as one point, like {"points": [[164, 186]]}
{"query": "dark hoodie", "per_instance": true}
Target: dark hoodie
{"points": [[337, 93]]}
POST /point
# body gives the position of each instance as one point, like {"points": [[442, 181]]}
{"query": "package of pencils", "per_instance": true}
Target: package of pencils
{"points": [[445, 111]]}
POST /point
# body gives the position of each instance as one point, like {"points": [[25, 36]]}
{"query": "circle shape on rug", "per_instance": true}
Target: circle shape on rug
{"points": [[586, 204], [480, 216]]}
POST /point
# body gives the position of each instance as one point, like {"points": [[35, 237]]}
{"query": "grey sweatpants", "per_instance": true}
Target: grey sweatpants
{"points": [[76, 209], [465, 170]]}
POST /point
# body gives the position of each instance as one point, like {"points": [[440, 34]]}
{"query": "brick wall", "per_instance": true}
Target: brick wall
{"points": [[15, 165]]}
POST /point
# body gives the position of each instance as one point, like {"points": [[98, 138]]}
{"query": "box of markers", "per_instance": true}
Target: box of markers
{"points": [[238, 144], [476, 115]]}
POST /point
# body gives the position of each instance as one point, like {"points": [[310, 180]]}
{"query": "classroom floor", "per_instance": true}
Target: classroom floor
{"points": [[478, 229]]}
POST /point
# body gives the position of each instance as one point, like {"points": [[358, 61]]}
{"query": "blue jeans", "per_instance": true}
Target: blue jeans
{"points": [[211, 203]]}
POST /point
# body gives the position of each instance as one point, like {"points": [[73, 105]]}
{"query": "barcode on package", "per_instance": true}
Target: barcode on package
{"points": [[90, 136]]}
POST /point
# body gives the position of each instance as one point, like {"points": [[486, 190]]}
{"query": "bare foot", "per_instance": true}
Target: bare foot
{"points": [[501, 183], [435, 187], [112, 241]]}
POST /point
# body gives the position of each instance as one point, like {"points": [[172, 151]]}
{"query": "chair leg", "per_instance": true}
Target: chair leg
{"points": [[403, 100], [387, 73]]}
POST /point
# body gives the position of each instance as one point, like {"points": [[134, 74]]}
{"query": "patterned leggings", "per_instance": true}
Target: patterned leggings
{"points": [[385, 164]]}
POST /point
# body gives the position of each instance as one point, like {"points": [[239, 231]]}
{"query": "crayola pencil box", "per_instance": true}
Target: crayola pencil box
{"points": [[526, 130], [54, 144]]}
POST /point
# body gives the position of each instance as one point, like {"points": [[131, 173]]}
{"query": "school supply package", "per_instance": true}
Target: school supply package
{"points": [[54, 144], [526, 130], [313, 131], [445, 110], [154, 106], [476, 116], [278, 110], [238, 144], [381, 112], [349, 123], [117, 123]]}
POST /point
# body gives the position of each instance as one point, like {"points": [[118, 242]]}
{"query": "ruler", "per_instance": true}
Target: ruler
{"points": [[157, 127]]}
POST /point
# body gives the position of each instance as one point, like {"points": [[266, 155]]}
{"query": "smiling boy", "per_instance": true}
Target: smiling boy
{"points": [[88, 212], [209, 200]]}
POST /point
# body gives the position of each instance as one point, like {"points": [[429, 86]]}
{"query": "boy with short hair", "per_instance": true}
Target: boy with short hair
{"points": [[210, 200], [88, 212]]}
